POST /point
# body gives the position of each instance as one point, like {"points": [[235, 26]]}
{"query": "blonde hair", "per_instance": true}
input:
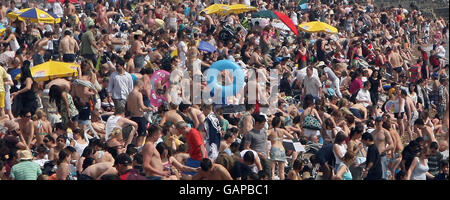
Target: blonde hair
{"points": [[116, 133]]}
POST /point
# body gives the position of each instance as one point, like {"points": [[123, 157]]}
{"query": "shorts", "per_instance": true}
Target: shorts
{"points": [[192, 163], [2, 100], [142, 125], [69, 57], [85, 113], [357, 113], [399, 115], [398, 69], [277, 154]]}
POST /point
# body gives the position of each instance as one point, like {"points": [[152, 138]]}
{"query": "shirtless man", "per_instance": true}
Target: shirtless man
{"points": [[61, 82], [171, 117], [69, 9], [396, 61], [152, 163], [196, 115], [27, 127], [135, 105], [209, 23], [68, 47], [256, 57], [247, 121], [96, 171], [155, 56], [212, 171], [424, 131], [384, 143], [412, 113]]}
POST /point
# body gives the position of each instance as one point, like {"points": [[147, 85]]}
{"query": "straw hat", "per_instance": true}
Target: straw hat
{"points": [[25, 155], [138, 32]]}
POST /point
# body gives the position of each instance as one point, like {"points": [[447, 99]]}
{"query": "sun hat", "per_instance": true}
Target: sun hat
{"points": [[25, 155], [138, 32]]}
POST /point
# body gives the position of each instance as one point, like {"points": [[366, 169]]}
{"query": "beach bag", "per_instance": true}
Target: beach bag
{"points": [[310, 122]]}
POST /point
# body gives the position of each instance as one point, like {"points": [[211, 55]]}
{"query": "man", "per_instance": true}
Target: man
{"points": [[68, 47], [422, 94], [213, 131], [12, 7], [97, 170], [123, 164], [197, 150], [384, 143], [212, 171], [373, 170], [26, 126], [424, 131], [329, 73], [440, 53], [247, 121], [209, 22], [325, 157], [136, 50], [312, 84], [443, 97], [247, 163], [256, 139], [363, 95], [120, 85], [152, 163], [89, 48], [434, 159], [412, 114], [172, 116], [25, 169], [396, 62], [136, 107], [118, 120], [3, 79], [443, 175]]}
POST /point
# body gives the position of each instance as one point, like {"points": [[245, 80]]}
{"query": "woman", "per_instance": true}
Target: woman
{"points": [[42, 126], [311, 118], [170, 163], [412, 92], [294, 173], [225, 144], [343, 170], [26, 98], [63, 162], [399, 109], [277, 152], [339, 148], [418, 170], [356, 147], [88, 152], [11, 39], [79, 142], [375, 86], [356, 83], [331, 131], [66, 106]]}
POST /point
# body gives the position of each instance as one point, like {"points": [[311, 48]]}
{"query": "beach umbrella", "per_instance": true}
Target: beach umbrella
{"points": [[239, 8], [14, 73], [216, 9], [52, 70], [277, 15], [34, 15], [205, 46], [317, 26]]}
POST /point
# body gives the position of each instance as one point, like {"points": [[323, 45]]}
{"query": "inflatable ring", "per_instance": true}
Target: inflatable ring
{"points": [[238, 77], [155, 99]]}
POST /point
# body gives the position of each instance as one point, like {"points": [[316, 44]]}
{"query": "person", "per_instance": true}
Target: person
{"points": [[197, 150], [311, 119], [384, 143], [11, 39], [25, 98], [118, 120], [211, 171], [152, 163], [98, 170], [25, 169], [294, 173], [123, 164], [343, 170], [213, 131], [311, 84], [171, 163], [247, 121], [80, 140], [419, 167], [443, 96], [256, 139], [65, 104], [135, 105], [434, 159], [138, 50], [277, 152], [120, 85], [443, 175], [363, 95], [89, 47], [373, 169], [68, 46], [63, 162], [356, 146], [339, 148]]}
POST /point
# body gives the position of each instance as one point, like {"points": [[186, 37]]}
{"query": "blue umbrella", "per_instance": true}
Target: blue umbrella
{"points": [[14, 73], [205, 46], [303, 6]]}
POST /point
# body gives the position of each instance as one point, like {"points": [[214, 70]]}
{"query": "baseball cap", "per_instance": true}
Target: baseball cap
{"points": [[123, 159]]}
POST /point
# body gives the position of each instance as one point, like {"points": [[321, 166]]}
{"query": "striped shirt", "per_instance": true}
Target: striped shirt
{"points": [[26, 170]]}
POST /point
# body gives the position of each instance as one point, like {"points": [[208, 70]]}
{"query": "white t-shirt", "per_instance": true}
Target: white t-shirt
{"points": [[363, 95], [441, 50], [182, 47], [57, 9], [254, 168], [294, 18]]}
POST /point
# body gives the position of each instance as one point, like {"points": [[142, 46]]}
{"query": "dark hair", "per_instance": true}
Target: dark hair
{"points": [[259, 118], [88, 162], [419, 122], [367, 136], [356, 130], [160, 147], [298, 164], [138, 158], [434, 145], [110, 177], [71, 149], [249, 106], [55, 95], [340, 137], [249, 157], [206, 164], [88, 151], [63, 155], [276, 121], [308, 101], [153, 129], [227, 135], [131, 149], [25, 71], [182, 107]]}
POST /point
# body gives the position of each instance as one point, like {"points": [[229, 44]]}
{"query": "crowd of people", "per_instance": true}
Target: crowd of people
{"points": [[368, 103]]}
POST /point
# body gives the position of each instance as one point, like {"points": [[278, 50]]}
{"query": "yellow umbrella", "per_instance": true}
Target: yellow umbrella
{"points": [[52, 70], [34, 15], [216, 9], [239, 8], [317, 26], [2, 31]]}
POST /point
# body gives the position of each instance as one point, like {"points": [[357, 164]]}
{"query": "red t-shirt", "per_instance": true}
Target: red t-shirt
{"points": [[195, 141], [415, 73], [399, 18], [355, 86]]}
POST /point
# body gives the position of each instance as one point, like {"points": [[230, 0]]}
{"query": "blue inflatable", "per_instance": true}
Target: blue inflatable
{"points": [[238, 77]]}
